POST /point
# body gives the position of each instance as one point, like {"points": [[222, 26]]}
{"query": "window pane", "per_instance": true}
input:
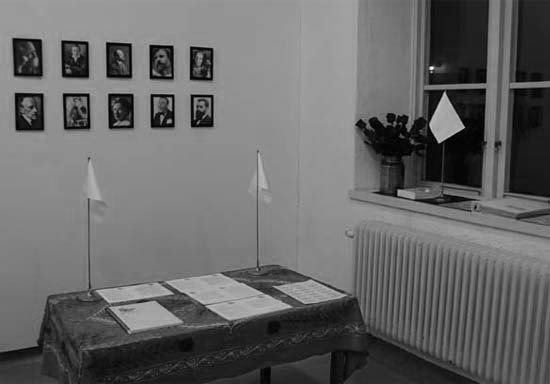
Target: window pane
{"points": [[533, 57], [458, 41], [530, 156], [463, 151]]}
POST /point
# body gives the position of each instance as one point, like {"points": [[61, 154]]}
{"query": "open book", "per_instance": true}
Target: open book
{"points": [[251, 306], [512, 207], [133, 292], [211, 289], [139, 317]]}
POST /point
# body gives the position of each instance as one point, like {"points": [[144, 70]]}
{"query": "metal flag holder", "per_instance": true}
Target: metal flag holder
{"points": [[442, 198], [89, 296], [258, 271]]}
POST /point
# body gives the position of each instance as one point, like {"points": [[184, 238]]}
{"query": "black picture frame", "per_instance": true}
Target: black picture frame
{"points": [[25, 118], [158, 70], [79, 68], [203, 71], [76, 111], [167, 121], [27, 57], [203, 122], [121, 116], [118, 65]]}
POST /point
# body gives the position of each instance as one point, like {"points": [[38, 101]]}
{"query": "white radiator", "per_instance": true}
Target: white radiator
{"points": [[479, 311]]}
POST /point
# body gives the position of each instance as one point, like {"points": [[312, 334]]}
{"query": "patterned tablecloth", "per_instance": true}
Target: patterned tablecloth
{"points": [[82, 344]]}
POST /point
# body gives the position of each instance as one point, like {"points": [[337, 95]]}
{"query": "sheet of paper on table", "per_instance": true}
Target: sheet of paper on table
{"points": [[211, 289], [310, 292], [252, 306], [139, 317], [216, 280], [133, 292], [212, 295]]}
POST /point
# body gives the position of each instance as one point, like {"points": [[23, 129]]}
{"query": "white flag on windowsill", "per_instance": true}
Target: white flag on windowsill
{"points": [[445, 121]]}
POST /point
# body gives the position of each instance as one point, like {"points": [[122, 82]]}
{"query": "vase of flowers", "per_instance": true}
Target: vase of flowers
{"points": [[393, 141]]}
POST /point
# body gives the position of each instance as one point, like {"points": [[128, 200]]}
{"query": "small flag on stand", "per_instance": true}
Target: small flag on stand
{"points": [[261, 184], [91, 189], [445, 121]]}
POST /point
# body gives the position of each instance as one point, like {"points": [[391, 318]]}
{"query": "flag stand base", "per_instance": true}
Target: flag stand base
{"points": [[88, 297], [442, 199], [258, 271]]}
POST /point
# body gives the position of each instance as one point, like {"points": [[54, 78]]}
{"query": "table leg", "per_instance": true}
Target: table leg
{"points": [[265, 375], [337, 367]]}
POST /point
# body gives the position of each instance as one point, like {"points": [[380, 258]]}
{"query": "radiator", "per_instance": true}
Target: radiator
{"points": [[479, 311]]}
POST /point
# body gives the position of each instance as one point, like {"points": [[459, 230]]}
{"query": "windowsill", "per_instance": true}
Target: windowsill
{"points": [[486, 220]]}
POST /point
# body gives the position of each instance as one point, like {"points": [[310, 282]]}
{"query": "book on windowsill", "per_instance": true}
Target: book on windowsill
{"points": [[513, 207], [419, 193], [140, 317]]}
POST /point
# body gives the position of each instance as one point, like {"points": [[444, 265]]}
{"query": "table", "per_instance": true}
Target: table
{"points": [[82, 344]]}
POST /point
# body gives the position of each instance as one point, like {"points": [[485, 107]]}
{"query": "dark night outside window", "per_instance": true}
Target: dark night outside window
{"points": [[458, 41], [458, 55], [529, 156], [533, 55], [463, 151]]}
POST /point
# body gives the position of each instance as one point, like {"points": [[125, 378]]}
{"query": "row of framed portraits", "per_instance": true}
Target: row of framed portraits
{"points": [[29, 111], [75, 60]]}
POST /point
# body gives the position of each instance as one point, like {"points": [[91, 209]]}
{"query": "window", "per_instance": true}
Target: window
{"points": [[530, 137], [491, 58]]}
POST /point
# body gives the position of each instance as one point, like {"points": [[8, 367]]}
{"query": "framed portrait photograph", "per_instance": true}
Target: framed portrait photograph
{"points": [[29, 112], [202, 111], [74, 59], [162, 111], [27, 57], [201, 63], [121, 110], [161, 61], [76, 110], [119, 60]]}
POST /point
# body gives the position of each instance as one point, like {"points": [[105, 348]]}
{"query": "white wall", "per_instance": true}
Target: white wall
{"points": [[291, 75], [327, 100], [178, 202]]}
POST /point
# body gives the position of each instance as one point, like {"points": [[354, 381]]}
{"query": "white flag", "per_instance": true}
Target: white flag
{"points": [[445, 121], [260, 183], [91, 189]]}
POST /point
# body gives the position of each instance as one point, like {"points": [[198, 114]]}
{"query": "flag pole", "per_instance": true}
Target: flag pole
{"points": [[258, 271], [442, 167], [89, 248], [441, 198], [88, 295], [257, 210]]}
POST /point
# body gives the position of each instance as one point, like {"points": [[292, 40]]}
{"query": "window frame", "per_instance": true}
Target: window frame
{"points": [[502, 30]]}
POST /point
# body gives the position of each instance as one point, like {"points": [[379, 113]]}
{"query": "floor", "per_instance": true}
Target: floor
{"points": [[386, 365], [310, 371]]}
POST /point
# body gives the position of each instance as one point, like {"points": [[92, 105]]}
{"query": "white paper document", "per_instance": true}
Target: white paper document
{"points": [[133, 292], [140, 317], [310, 292], [211, 289], [217, 280], [211, 295], [252, 306]]}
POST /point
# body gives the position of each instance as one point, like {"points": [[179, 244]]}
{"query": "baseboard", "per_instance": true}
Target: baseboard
{"points": [[20, 356], [410, 366]]}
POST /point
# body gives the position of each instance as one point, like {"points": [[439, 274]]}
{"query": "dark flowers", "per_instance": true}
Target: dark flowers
{"points": [[394, 139]]}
